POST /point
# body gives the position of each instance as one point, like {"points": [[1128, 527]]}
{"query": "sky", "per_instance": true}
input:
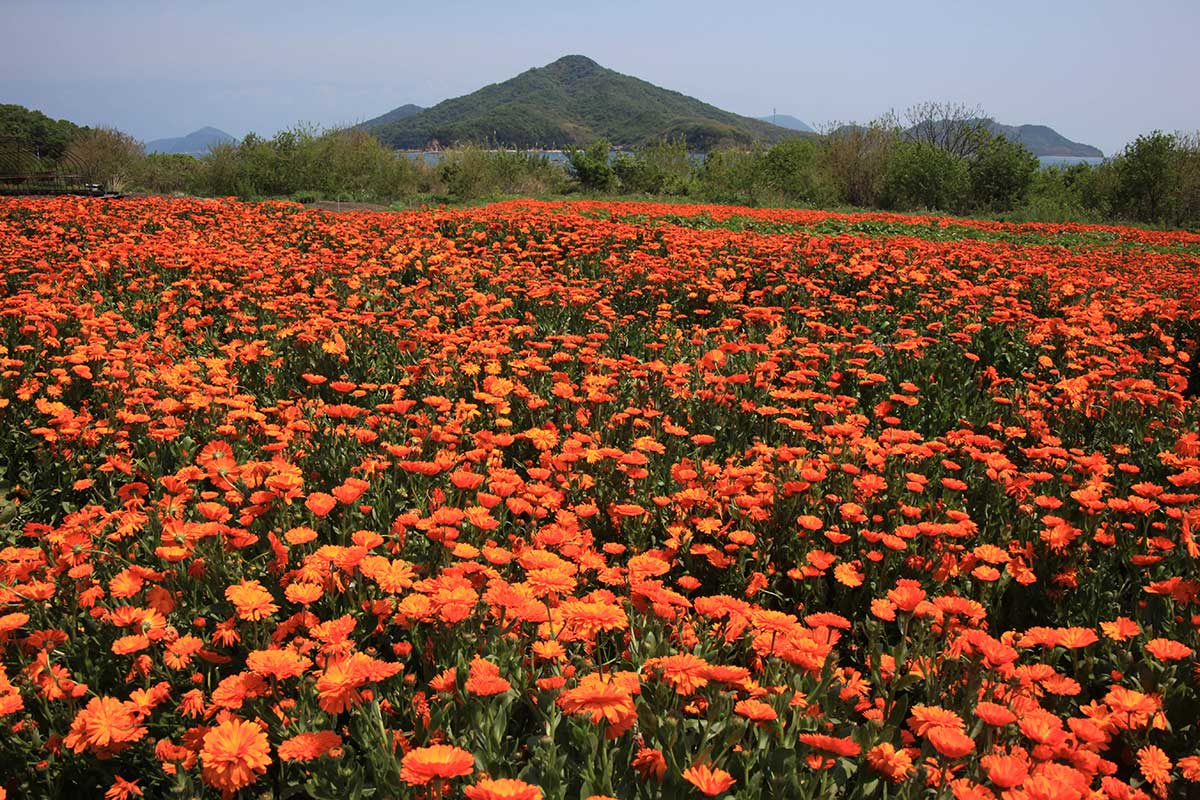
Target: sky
{"points": [[1098, 72]]}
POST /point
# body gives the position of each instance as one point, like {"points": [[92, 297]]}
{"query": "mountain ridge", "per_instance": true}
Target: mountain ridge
{"points": [[789, 122], [1041, 140], [196, 143], [573, 101]]}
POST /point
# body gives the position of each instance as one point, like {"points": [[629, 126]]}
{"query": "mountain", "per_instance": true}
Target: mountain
{"points": [[196, 143], [573, 101], [789, 122], [1044, 141], [403, 112], [1038, 139]]}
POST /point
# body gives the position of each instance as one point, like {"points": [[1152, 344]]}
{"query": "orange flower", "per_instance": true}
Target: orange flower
{"points": [[120, 790], [1167, 649], [502, 789], [926, 718], [300, 535], [604, 697], [711, 782], [684, 671], [907, 595], [424, 764], [650, 763], [234, 754], [484, 679], [278, 664], [106, 727], [1120, 629], [841, 746], [320, 503], [251, 600], [894, 765], [949, 742], [1005, 771], [308, 746], [585, 620], [1155, 766], [339, 686], [755, 710], [994, 713]]}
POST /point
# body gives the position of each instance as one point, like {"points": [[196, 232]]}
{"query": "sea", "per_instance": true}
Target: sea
{"points": [[1067, 161]]}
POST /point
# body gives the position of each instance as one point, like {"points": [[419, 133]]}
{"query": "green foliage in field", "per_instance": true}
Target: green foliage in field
{"points": [[921, 176], [46, 138], [660, 168], [590, 166], [104, 156]]}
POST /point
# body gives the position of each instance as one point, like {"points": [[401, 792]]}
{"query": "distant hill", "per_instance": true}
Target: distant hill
{"points": [[196, 143], [573, 101], [403, 112], [1044, 141], [789, 122], [1038, 139]]}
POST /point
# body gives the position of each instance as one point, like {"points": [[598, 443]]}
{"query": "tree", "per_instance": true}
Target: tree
{"points": [[47, 139], [957, 128], [790, 169], [1001, 172], [660, 167], [856, 157], [104, 156], [1187, 184], [1145, 177], [923, 176], [590, 166]]}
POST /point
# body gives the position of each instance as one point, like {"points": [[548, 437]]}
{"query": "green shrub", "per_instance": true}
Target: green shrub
{"points": [[856, 160], [731, 176], [1144, 178], [471, 173], [922, 176], [662, 167], [1001, 172], [105, 156], [168, 173], [791, 171], [591, 166]]}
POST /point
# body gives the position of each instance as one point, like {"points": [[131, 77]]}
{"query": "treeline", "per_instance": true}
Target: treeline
{"points": [[949, 163], [347, 164], [1155, 180]]}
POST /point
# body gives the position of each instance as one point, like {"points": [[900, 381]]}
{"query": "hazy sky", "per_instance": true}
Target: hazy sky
{"points": [[1099, 72]]}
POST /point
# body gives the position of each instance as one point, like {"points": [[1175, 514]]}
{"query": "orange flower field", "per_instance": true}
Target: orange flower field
{"points": [[611, 500]]}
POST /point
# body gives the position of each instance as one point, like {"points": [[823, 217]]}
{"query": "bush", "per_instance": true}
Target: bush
{"points": [[591, 166], [791, 170], [923, 176], [662, 167], [1187, 180], [105, 156], [168, 173], [856, 160], [346, 164], [732, 176], [472, 173], [1001, 172], [1146, 179]]}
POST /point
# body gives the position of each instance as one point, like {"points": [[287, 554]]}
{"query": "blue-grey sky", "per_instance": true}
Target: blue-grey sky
{"points": [[1098, 71]]}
